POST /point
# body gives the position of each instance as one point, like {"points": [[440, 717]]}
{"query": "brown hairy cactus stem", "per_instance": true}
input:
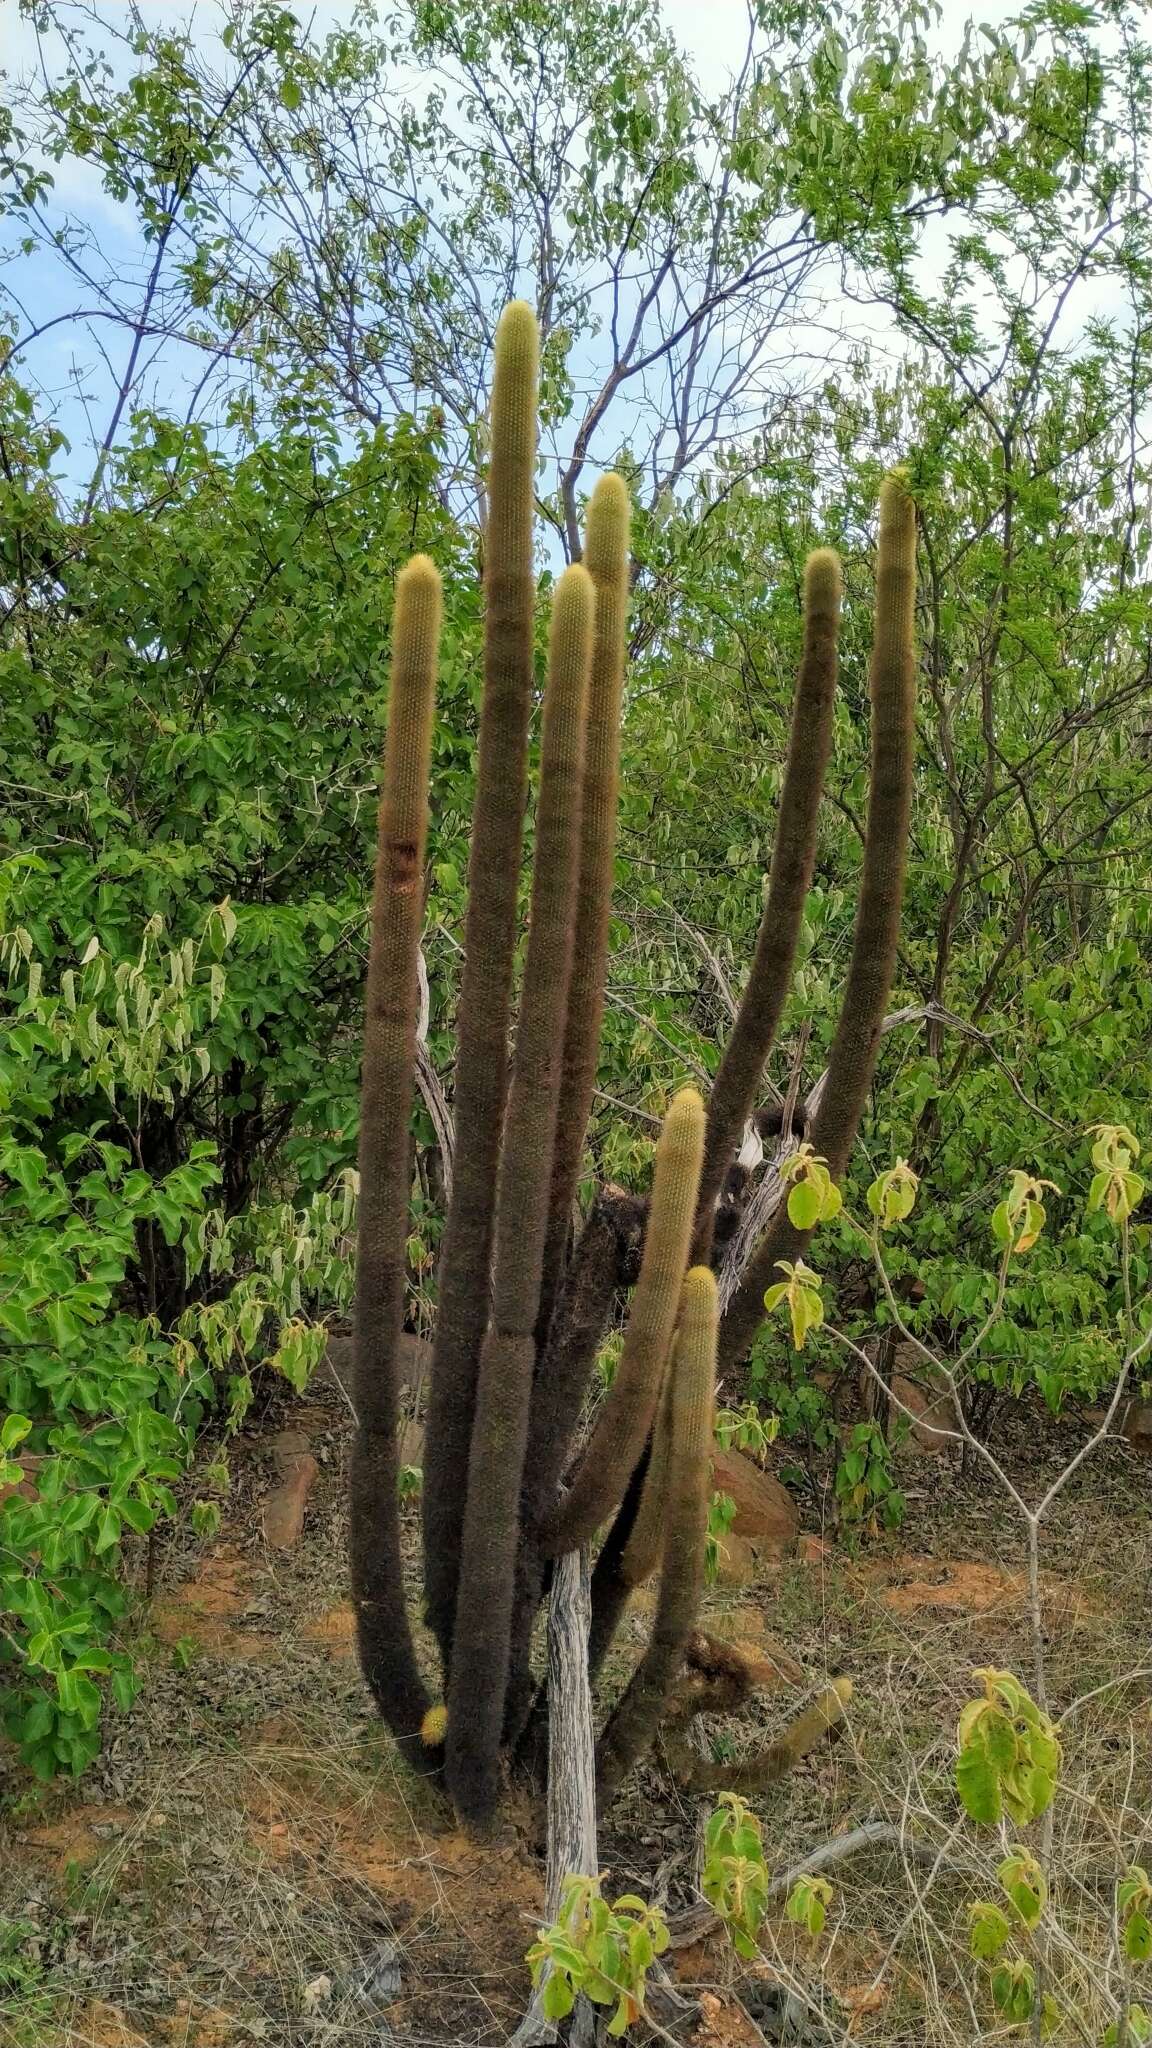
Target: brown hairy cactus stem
{"points": [[793, 859], [695, 1773], [642, 1551], [606, 1259], [390, 1021], [480, 1651], [610, 1589], [606, 560], [852, 1059], [489, 952], [620, 1431], [719, 1677], [633, 1725], [574, 1310], [766, 1662]]}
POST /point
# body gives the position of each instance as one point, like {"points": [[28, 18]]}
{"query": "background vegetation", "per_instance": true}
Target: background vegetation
{"points": [[242, 388]]}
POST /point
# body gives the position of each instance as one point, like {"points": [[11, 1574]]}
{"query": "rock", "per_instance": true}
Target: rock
{"points": [[1138, 1427], [414, 1362], [284, 1507], [766, 1515], [379, 1980], [933, 1413], [930, 1412], [735, 1560]]}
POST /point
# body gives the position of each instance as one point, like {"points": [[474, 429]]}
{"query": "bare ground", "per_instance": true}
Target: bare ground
{"points": [[249, 1861]]}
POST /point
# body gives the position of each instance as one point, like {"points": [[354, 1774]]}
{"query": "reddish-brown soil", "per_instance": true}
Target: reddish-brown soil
{"points": [[248, 1862]]}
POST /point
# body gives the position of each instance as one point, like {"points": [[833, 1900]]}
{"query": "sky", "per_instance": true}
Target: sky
{"points": [[66, 363]]}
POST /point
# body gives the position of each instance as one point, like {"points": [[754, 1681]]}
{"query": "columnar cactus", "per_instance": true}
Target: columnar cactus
{"points": [[620, 1431], [790, 878], [852, 1060], [489, 951], [606, 560], [479, 1671], [693, 1372], [391, 1005], [526, 1291]]}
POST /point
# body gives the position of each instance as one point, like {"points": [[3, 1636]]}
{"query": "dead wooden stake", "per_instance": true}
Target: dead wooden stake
{"points": [[572, 1848]]}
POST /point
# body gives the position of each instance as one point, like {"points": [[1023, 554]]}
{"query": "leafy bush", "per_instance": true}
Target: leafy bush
{"points": [[597, 1951], [103, 1393], [193, 708]]}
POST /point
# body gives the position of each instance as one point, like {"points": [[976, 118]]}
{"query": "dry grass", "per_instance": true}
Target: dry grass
{"points": [[249, 1862]]}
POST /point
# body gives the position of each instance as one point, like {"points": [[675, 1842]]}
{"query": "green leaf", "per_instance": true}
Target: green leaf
{"points": [[998, 1739], [1138, 1938], [804, 1205], [988, 1930], [13, 1431], [558, 1997], [124, 1689], [17, 1322], [1025, 1884], [978, 1784], [37, 1721]]}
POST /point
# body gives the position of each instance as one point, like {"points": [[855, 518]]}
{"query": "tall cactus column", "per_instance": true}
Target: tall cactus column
{"points": [[606, 560], [489, 951], [875, 939], [520, 1317], [480, 1654], [391, 1011], [790, 878]]}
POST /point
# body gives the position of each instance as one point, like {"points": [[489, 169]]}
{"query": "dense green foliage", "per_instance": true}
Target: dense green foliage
{"points": [[296, 295], [189, 802]]}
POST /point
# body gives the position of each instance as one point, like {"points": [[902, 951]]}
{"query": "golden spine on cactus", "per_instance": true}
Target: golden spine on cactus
{"points": [[481, 1643], [391, 1009], [633, 1725], [790, 878], [606, 558], [620, 1431], [489, 952], [875, 938]]}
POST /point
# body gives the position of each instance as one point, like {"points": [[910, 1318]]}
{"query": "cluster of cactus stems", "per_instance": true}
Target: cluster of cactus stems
{"points": [[526, 1290]]}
